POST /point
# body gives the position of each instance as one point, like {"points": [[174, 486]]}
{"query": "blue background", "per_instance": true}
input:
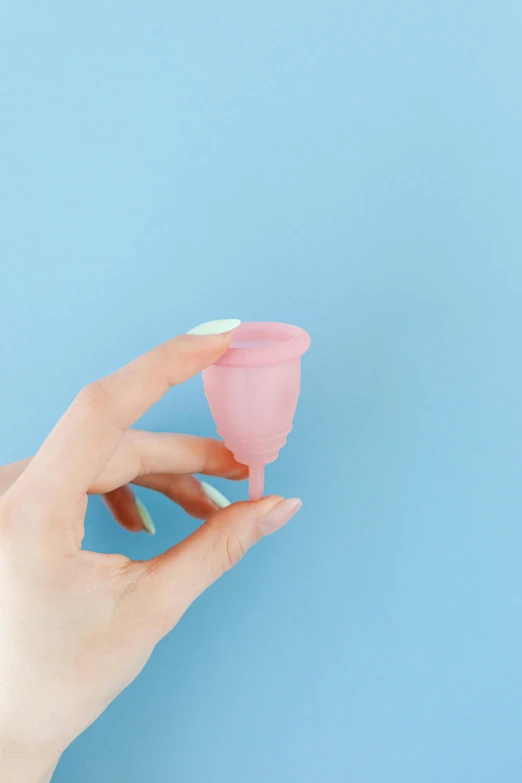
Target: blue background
{"points": [[355, 168]]}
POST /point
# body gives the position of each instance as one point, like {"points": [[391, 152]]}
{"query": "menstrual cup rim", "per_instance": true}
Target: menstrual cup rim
{"points": [[291, 343]]}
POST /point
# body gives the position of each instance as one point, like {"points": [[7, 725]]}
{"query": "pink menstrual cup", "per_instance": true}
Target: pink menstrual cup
{"points": [[252, 392]]}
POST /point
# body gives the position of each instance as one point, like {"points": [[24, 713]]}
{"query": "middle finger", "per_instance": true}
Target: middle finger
{"points": [[142, 453]]}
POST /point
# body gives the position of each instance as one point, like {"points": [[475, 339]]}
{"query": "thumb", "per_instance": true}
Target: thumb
{"points": [[173, 580]]}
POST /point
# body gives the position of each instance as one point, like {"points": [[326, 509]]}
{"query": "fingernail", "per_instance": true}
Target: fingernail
{"points": [[148, 524], [279, 515], [215, 327], [214, 495]]}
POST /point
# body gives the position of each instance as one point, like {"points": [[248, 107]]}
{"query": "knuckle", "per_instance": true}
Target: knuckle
{"points": [[212, 454], [227, 552], [92, 399]]}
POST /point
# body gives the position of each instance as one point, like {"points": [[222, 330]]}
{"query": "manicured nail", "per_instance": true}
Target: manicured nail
{"points": [[148, 524], [214, 495], [279, 515], [215, 327]]}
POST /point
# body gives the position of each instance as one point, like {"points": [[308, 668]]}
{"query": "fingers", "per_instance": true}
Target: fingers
{"points": [[85, 438], [128, 510], [188, 492], [152, 460], [172, 581], [141, 454]]}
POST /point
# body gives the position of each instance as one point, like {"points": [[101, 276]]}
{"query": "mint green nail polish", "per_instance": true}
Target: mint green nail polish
{"points": [[215, 327], [214, 495], [146, 518]]}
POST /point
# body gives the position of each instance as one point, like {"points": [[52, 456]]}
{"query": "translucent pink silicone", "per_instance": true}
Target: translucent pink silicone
{"points": [[252, 392]]}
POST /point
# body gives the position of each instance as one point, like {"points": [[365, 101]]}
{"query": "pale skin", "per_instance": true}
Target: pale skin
{"points": [[76, 627]]}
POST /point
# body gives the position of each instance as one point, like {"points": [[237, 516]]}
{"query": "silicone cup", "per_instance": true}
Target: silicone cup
{"points": [[252, 392]]}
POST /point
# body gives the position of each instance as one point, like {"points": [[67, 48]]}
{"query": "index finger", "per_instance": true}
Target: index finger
{"points": [[82, 442]]}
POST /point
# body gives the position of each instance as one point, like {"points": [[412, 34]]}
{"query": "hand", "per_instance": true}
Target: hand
{"points": [[76, 627]]}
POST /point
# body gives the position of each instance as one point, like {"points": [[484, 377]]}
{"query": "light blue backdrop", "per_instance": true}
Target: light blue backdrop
{"points": [[355, 168]]}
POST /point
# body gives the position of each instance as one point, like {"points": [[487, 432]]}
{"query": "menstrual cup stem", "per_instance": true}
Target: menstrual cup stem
{"points": [[257, 481]]}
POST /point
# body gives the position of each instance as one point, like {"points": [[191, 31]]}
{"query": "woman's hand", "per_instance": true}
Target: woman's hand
{"points": [[76, 627]]}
